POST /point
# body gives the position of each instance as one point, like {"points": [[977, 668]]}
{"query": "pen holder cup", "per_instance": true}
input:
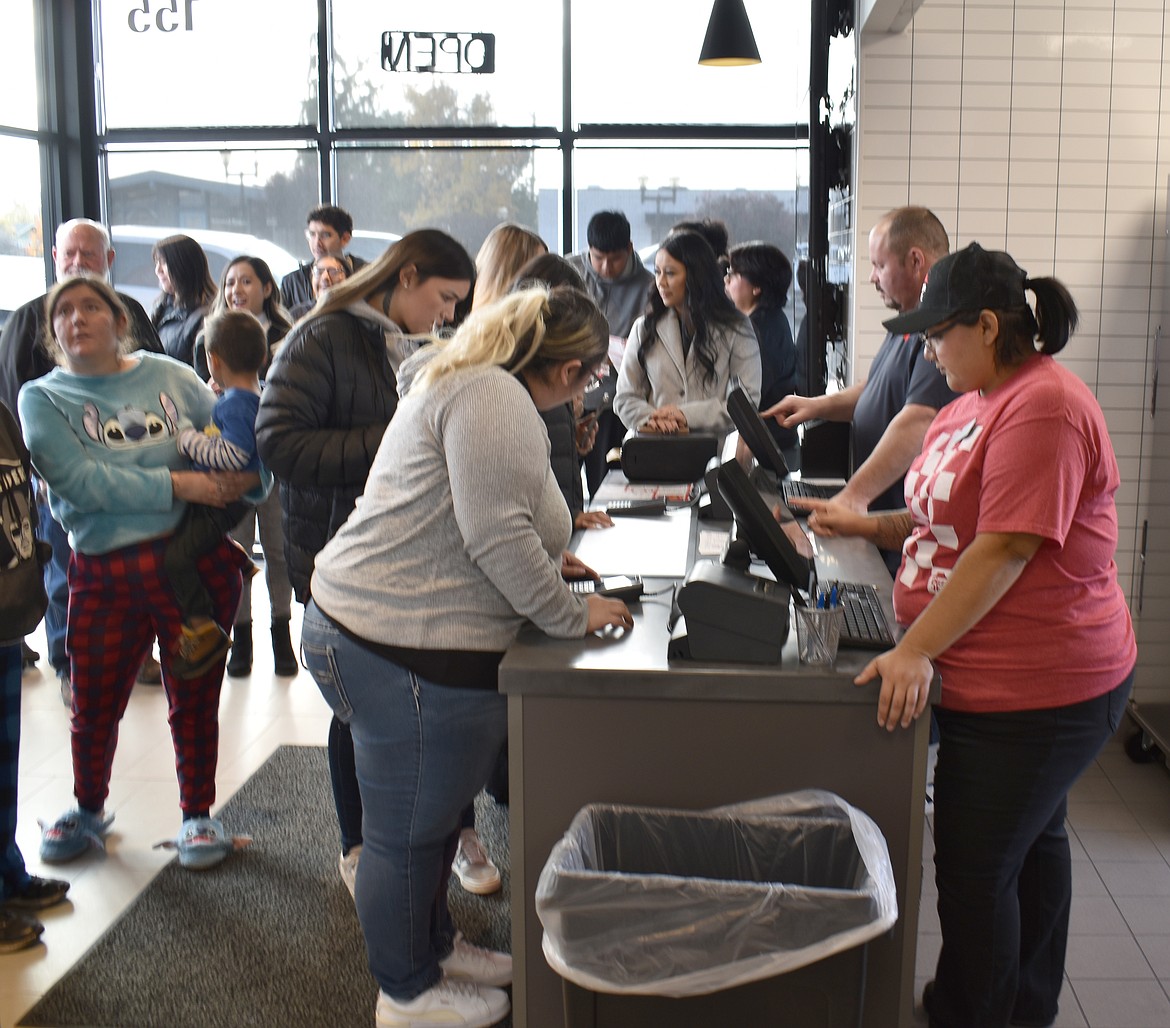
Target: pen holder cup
{"points": [[818, 630]]}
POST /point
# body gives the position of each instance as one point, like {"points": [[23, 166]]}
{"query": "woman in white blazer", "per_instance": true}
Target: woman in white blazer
{"points": [[690, 349]]}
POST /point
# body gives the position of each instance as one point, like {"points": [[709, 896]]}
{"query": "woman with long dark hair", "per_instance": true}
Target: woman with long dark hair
{"points": [[328, 397], [689, 350], [187, 293], [247, 283]]}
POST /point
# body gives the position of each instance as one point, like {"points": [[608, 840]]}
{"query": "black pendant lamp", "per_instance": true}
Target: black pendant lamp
{"points": [[729, 41]]}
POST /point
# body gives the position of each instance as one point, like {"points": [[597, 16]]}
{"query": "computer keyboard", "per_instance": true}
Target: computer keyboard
{"points": [[865, 624], [808, 490]]}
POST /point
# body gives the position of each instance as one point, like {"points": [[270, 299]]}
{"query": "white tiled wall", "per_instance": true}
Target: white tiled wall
{"points": [[1041, 127]]}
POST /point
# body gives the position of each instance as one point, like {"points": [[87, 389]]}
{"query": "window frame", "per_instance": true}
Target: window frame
{"points": [[86, 160]]}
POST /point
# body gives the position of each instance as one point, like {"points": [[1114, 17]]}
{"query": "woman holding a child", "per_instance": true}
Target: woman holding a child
{"points": [[102, 429]]}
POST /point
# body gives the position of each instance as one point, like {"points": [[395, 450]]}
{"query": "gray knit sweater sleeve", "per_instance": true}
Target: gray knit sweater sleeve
{"points": [[457, 539], [507, 503]]}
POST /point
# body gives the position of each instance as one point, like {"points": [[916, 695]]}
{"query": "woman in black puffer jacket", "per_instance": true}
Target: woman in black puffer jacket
{"points": [[328, 397], [187, 292]]}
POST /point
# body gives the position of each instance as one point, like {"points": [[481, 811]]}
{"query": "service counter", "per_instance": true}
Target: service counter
{"points": [[612, 720]]}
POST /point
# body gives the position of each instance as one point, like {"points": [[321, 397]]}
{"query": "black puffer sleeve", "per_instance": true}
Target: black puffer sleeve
{"points": [[321, 416]]}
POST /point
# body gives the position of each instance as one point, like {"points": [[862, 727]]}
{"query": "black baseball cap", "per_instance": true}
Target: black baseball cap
{"points": [[969, 280]]}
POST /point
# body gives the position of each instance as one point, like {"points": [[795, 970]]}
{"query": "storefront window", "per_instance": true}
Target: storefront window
{"points": [[18, 70], [190, 63], [465, 191], [449, 115], [231, 201], [22, 247], [765, 198], [498, 64]]}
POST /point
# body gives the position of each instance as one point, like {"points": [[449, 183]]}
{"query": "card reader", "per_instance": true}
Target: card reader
{"points": [[619, 587], [635, 508]]}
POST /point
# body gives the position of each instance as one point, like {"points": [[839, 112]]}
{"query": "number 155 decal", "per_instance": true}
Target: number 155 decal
{"points": [[165, 16]]}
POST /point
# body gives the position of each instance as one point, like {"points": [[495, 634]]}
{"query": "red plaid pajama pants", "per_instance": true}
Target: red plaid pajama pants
{"points": [[118, 603]]}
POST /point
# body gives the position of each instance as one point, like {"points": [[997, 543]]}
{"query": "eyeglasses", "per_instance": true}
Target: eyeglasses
{"points": [[929, 342], [729, 272]]}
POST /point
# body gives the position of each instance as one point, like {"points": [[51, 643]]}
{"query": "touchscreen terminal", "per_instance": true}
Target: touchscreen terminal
{"points": [[764, 534], [753, 430]]}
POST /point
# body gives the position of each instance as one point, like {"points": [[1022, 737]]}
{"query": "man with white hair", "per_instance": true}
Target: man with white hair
{"points": [[82, 248]]}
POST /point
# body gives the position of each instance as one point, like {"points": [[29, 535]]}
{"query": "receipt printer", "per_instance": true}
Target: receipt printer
{"points": [[732, 616]]}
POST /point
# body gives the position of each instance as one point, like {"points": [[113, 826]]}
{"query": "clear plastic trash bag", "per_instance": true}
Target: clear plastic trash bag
{"points": [[651, 901]]}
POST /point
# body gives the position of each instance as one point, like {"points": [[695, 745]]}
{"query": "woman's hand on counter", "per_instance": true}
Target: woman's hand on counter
{"points": [[905, 676], [573, 568], [592, 519], [667, 420], [603, 612]]}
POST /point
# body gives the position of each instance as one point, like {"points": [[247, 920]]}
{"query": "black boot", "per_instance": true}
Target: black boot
{"points": [[240, 662], [284, 659], [28, 656]]}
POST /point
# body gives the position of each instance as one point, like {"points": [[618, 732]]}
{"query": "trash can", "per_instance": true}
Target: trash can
{"points": [[649, 913]]}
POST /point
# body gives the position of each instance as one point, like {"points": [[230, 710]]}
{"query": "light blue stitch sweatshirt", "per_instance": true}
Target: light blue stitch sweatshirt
{"points": [[106, 445]]}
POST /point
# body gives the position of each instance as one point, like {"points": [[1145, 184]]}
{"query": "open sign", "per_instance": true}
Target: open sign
{"points": [[453, 53]]}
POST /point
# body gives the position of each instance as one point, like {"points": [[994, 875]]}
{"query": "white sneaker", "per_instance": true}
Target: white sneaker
{"points": [[447, 1003], [473, 867], [468, 963], [347, 864]]}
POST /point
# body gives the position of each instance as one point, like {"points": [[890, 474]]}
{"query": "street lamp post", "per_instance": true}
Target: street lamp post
{"points": [[658, 196], [226, 157]]}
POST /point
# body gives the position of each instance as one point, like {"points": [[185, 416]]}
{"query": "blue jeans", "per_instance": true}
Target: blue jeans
{"points": [[56, 585], [1002, 859], [422, 752], [13, 876], [347, 797]]}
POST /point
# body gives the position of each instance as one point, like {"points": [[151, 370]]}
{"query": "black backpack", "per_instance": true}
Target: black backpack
{"points": [[22, 555]]}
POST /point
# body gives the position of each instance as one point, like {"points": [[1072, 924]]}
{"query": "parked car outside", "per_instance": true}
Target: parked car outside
{"points": [[134, 265], [369, 246]]}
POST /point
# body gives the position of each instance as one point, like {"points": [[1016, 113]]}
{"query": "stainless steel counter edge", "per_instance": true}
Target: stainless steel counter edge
{"points": [[635, 664]]}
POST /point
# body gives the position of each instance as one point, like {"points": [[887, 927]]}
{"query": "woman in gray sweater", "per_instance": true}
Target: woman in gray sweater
{"points": [[457, 541]]}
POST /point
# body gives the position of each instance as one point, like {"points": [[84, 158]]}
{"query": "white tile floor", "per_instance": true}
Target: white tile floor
{"points": [[1118, 968], [257, 714], [1117, 971]]}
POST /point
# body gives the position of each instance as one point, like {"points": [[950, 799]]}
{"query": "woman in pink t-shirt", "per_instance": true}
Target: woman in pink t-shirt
{"points": [[1010, 590]]}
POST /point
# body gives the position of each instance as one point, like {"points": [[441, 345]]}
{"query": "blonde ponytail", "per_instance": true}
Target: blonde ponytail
{"points": [[530, 328]]}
